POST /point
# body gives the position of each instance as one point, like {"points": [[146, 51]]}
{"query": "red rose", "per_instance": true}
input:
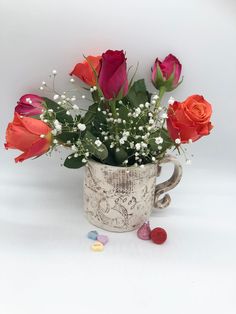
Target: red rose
{"points": [[29, 105], [113, 75], [189, 120], [85, 70], [33, 137], [166, 73]]}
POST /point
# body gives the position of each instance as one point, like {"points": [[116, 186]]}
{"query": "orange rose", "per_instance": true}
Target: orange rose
{"points": [[189, 120], [31, 136], [85, 72]]}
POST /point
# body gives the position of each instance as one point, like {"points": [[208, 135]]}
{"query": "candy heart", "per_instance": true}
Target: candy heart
{"points": [[144, 231], [103, 239], [97, 246], [158, 235], [92, 235]]}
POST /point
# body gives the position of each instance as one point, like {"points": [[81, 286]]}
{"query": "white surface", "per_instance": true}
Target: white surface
{"points": [[46, 265]]}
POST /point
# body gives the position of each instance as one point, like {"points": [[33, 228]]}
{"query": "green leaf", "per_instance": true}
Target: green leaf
{"points": [[74, 162], [167, 141], [100, 152], [90, 114], [159, 79], [59, 111], [67, 136], [138, 93], [121, 156]]}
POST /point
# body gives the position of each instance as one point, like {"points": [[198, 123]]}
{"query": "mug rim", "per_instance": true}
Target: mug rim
{"points": [[149, 165]]}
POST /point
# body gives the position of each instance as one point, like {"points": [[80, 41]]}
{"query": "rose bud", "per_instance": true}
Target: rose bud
{"points": [[31, 136], [29, 105], [85, 70], [113, 79], [188, 121], [166, 74]]}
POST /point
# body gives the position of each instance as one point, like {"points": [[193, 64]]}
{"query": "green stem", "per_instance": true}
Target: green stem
{"points": [[113, 109], [114, 114], [161, 93]]}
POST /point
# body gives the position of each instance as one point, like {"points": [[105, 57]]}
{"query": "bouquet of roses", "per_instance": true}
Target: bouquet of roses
{"points": [[125, 125]]}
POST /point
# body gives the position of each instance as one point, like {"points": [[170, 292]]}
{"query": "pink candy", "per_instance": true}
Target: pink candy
{"points": [[102, 238], [144, 231]]}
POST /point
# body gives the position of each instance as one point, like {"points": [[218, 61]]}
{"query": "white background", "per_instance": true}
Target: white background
{"points": [[46, 265]]}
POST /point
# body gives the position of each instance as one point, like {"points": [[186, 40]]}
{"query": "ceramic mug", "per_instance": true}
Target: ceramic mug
{"points": [[120, 199]]}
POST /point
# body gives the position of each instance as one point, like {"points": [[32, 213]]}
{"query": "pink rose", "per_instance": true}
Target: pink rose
{"points": [[29, 105], [113, 79], [166, 73]]}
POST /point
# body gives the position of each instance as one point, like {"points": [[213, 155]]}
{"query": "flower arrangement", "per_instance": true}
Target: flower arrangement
{"points": [[125, 125]]}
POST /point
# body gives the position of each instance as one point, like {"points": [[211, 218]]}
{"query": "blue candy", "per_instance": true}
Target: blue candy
{"points": [[92, 235]]}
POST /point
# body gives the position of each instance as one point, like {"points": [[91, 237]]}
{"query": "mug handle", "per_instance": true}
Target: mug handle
{"points": [[169, 184]]}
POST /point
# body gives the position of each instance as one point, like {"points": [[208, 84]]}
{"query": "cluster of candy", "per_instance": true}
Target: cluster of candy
{"points": [[157, 235], [100, 240]]}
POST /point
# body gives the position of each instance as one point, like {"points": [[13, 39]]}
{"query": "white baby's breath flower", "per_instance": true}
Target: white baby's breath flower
{"points": [[144, 145], [81, 126], [137, 146], [75, 107], [55, 97], [177, 141], [171, 100], [158, 140], [164, 115], [74, 148], [98, 143], [54, 132], [190, 141], [138, 111], [188, 162]]}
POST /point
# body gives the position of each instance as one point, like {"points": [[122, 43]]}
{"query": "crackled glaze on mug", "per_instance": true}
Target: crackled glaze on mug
{"points": [[118, 198]]}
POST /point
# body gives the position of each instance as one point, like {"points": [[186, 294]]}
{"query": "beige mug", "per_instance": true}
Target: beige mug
{"points": [[120, 199]]}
